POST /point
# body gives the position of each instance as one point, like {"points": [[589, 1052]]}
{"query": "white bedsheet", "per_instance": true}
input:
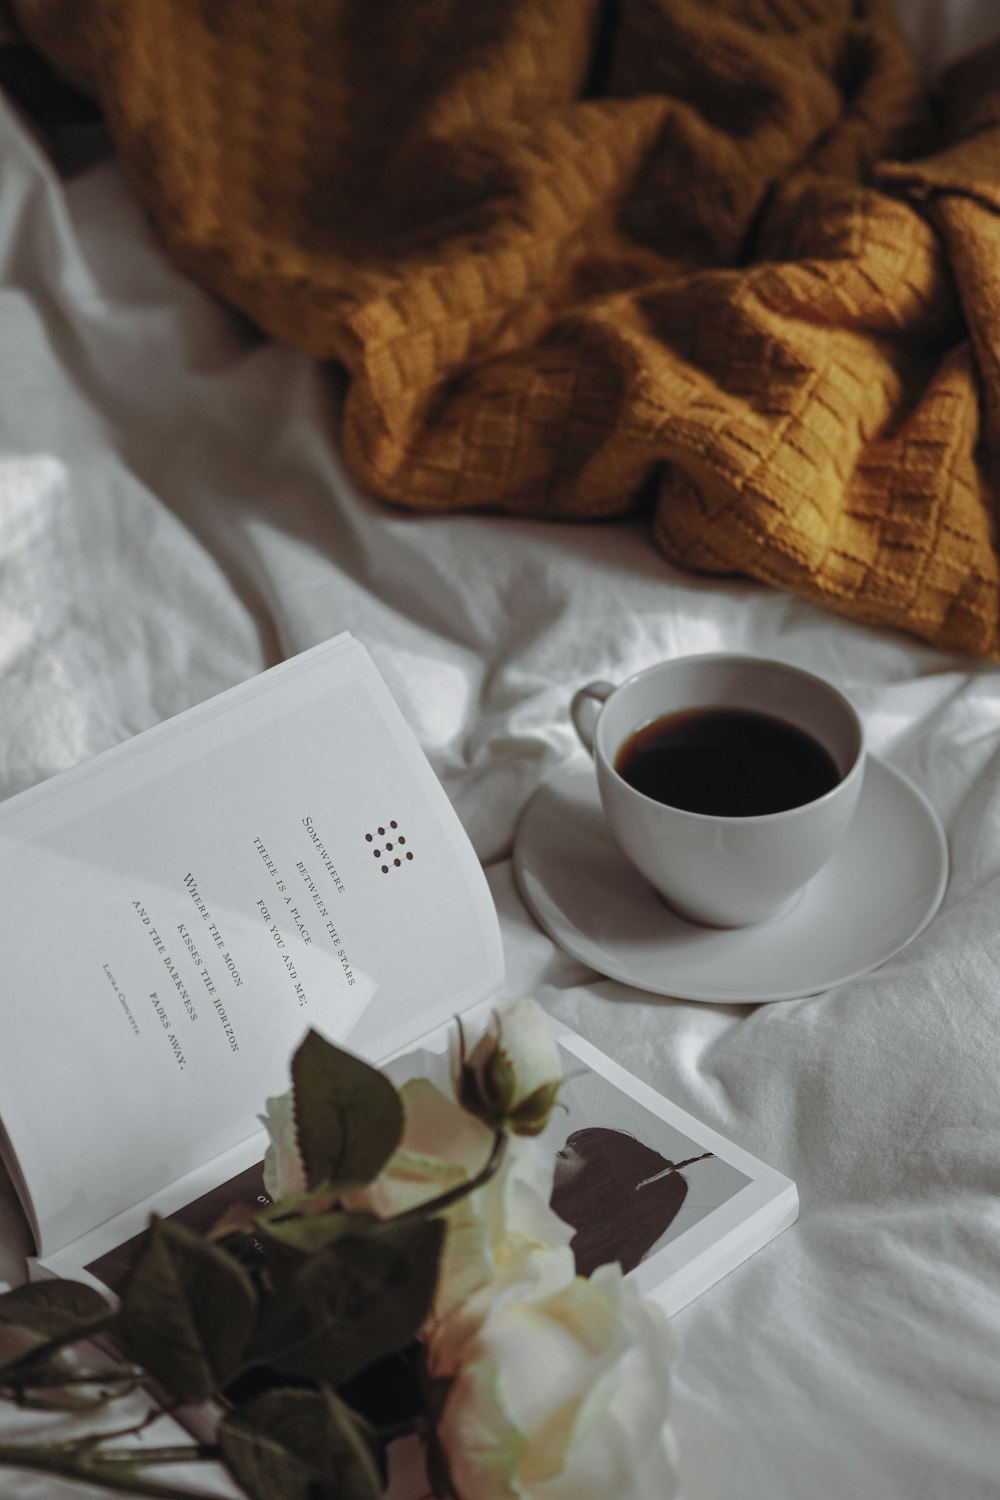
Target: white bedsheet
{"points": [[173, 518]]}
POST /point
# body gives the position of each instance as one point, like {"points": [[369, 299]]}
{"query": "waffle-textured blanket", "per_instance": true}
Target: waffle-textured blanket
{"points": [[718, 259]]}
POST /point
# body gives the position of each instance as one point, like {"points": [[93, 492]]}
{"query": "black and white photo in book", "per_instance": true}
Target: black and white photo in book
{"points": [[626, 1179], [684, 1205]]}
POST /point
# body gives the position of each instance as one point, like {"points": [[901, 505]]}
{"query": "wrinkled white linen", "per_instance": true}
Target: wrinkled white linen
{"points": [[174, 517]]}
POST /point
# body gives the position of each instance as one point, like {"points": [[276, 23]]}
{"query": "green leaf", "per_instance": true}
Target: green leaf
{"points": [[287, 1242], [360, 1298], [56, 1385], [299, 1445], [348, 1116], [499, 1083], [187, 1312], [38, 1320], [532, 1114], [35, 1372], [17, 1346], [316, 1200], [313, 1232], [55, 1309]]}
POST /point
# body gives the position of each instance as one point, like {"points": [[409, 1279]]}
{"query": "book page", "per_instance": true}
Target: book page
{"points": [[177, 913]]}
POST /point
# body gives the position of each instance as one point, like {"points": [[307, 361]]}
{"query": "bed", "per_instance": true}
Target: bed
{"points": [[175, 516]]}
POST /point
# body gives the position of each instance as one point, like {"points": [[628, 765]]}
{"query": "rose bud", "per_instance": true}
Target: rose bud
{"points": [[511, 1078]]}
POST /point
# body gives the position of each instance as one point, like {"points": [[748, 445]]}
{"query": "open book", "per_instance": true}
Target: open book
{"points": [[178, 911]]}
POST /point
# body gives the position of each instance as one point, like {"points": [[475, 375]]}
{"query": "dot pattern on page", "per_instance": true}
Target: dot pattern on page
{"points": [[389, 847]]}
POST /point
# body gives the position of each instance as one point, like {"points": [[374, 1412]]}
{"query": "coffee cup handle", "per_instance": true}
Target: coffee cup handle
{"points": [[585, 707]]}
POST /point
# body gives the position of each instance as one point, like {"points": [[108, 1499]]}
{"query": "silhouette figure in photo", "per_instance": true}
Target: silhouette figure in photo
{"points": [[618, 1194]]}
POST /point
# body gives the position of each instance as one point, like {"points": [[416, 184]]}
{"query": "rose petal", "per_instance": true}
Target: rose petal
{"points": [[580, 1368], [483, 1444], [284, 1173]]}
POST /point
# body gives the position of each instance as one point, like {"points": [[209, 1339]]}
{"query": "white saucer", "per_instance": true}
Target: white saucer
{"points": [[880, 889]]}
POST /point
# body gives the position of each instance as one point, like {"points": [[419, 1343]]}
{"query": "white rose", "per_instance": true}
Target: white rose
{"points": [[559, 1387], [284, 1172], [512, 1073], [444, 1147]]}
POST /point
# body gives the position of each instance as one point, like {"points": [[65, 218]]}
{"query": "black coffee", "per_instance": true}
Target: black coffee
{"points": [[731, 763]]}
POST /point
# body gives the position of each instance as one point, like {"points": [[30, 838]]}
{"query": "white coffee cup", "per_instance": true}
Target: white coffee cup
{"points": [[718, 870]]}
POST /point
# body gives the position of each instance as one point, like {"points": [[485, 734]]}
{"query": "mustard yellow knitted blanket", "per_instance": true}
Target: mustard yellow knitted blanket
{"points": [[718, 257]]}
